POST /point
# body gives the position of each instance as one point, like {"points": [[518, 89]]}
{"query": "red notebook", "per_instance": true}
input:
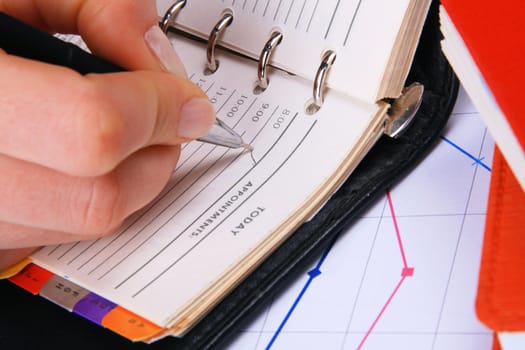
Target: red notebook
{"points": [[485, 44]]}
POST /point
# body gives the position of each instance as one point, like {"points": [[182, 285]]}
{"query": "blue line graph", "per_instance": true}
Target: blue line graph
{"points": [[312, 274], [478, 161]]}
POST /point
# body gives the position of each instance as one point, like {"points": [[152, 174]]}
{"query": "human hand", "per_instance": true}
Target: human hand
{"points": [[79, 154]]}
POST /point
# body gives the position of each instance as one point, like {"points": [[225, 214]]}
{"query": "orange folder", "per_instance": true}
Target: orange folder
{"points": [[500, 303]]}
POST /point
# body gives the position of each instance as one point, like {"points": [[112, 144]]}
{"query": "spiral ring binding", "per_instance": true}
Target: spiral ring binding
{"points": [[262, 75], [170, 13], [212, 64], [319, 81]]}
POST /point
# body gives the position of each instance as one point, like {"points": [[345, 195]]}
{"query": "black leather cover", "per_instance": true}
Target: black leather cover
{"points": [[31, 322]]}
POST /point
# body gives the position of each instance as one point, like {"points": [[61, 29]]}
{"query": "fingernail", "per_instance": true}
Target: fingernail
{"points": [[161, 47], [196, 118]]}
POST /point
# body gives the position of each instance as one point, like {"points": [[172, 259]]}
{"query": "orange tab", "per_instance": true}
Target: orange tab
{"points": [[32, 278], [13, 270], [129, 325]]}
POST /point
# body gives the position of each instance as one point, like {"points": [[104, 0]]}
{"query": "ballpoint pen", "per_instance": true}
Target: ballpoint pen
{"points": [[20, 39]]}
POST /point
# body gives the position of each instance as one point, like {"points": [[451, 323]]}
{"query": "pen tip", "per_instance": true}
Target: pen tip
{"points": [[247, 147]]}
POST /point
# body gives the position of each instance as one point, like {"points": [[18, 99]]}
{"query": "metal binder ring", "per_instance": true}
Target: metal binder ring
{"points": [[319, 81], [170, 14], [262, 82], [212, 64]]}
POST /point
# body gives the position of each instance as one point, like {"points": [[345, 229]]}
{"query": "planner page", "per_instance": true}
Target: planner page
{"points": [[364, 34], [224, 209]]}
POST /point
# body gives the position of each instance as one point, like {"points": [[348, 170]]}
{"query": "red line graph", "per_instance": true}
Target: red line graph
{"points": [[405, 272], [396, 227]]}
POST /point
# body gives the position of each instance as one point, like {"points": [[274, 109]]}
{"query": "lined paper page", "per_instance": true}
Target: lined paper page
{"points": [[361, 32], [220, 203]]}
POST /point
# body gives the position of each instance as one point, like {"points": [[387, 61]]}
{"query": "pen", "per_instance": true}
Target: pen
{"points": [[20, 39]]}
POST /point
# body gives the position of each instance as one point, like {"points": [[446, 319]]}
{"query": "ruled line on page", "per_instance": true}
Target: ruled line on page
{"points": [[169, 267], [211, 206]]}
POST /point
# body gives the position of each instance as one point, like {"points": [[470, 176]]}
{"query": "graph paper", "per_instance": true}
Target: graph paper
{"points": [[404, 276]]}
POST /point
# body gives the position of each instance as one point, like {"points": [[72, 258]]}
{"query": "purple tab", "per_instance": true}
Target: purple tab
{"points": [[93, 307]]}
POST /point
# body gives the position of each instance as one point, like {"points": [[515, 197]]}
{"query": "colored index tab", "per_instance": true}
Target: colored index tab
{"points": [[13, 270], [32, 278], [129, 325], [93, 307], [63, 292]]}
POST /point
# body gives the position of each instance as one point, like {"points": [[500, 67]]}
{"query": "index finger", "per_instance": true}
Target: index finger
{"points": [[86, 125], [113, 29]]}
